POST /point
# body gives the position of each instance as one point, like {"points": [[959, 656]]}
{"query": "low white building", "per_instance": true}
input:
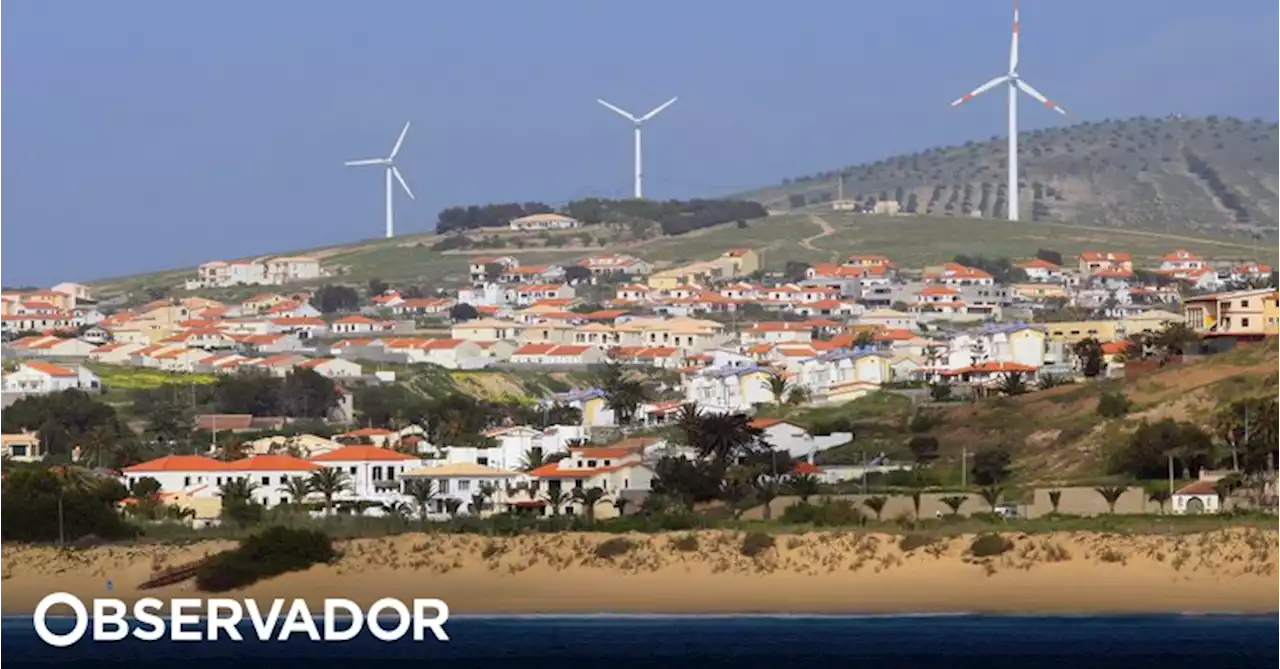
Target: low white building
{"points": [[1196, 498], [372, 472], [38, 378], [795, 440], [545, 222], [464, 482]]}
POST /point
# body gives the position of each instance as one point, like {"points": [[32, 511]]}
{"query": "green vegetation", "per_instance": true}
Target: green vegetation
{"points": [[989, 545], [275, 551], [1203, 176], [757, 543], [62, 504], [612, 548]]}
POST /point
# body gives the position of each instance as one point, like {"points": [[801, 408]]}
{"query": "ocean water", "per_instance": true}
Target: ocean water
{"points": [[801, 642]]}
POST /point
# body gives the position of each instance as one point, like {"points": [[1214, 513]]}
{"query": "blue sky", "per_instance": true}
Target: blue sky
{"points": [[150, 134]]}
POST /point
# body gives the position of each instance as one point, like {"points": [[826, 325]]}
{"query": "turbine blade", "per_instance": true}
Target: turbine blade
{"points": [[659, 108], [395, 171], [1026, 88], [625, 114], [396, 149], [1013, 45], [981, 89], [371, 161]]}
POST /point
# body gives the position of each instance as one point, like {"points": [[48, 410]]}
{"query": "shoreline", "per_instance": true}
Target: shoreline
{"points": [[1225, 572]]}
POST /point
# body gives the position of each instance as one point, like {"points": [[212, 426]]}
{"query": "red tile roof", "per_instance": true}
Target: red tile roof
{"points": [[358, 453], [176, 463]]}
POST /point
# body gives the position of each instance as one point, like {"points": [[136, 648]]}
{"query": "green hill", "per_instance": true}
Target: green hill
{"points": [[1209, 176]]}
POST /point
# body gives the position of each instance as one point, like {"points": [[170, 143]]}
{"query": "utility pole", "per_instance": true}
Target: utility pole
{"points": [[1170, 473], [964, 467]]}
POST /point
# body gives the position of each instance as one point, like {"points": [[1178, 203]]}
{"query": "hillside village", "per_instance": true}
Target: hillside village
{"points": [[737, 338]]}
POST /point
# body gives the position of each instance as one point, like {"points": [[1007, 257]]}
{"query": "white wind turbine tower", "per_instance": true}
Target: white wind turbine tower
{"points": [[639, 187], [1015, 83], [392, 173]]}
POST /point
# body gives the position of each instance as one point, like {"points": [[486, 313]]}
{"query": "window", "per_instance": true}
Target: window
{"points": [[1244, 303], [484, 461], [464, 485], [377, 472], [266, 480], [283, 479], [353, 471], [186, 481], [219, 480], [1244, 322], [391, 473], [578, 484], [591, 463], [444, 486], [606, 462]]}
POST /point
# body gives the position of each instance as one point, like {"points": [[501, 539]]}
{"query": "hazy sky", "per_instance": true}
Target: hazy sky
{"points": [[143, 135]]}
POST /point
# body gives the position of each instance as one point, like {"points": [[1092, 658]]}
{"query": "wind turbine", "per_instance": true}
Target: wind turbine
{"points": [[1015, 83], [392, 173], [639, 188]]}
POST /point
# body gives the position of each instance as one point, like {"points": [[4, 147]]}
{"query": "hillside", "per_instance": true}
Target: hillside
{"points": [[912, 241], [1208, 176], [1056, 434]]}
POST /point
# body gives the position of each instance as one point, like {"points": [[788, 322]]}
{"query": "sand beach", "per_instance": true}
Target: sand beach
{"points": [[1229, 570]]}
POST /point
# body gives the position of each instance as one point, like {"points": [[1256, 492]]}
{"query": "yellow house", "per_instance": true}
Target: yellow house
{"points": [[1070, 332], [22, 447], [745, 261], [485, 329], [1234, 314], [1040, 291], [592, 409]]}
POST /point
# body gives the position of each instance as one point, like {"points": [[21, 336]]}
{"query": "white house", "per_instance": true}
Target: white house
{"points": [[558, 354], [795, 440], [463, 482], [269, 475], [333, 368], [1040, 271], [22, 447], [545, 222], [618, 471], [358, 324], [448, 353], [175, 473], [1195, 498], [41, 377], [49, 346], [372, 472]]}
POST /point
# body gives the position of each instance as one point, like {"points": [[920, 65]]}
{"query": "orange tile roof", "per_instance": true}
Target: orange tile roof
{"points": [[763, 423], [1094, 256], [803, 467], [177, 463], [1036, 263], [51, 370], [357, 319], [271, 462], [1114, 347]]}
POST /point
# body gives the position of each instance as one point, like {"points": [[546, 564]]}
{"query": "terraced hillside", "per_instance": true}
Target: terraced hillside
{"points": [[1210, 176]]}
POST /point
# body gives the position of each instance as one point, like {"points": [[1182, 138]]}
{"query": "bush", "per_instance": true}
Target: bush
{"points": [[1113, 405], [611, 548], [989, 545], [914, 541], [687, 544], [756, 543], [826, 513], [275, 551]]}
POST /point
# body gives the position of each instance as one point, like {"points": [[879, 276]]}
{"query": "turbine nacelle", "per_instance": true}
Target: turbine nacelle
{"points": [[393, 174]]}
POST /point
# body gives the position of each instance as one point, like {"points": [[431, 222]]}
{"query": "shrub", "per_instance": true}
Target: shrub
{"points": [[989, 545], [275, 551], [756, 543], [826, 513], [687, 544], [914, 541], [1113, 405], [611, 548]]}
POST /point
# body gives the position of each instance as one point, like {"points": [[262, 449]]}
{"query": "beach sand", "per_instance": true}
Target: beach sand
{"points": [[1231, 570]]}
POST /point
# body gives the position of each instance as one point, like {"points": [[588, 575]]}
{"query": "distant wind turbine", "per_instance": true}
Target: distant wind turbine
{"points": [[639, 188], [1015, 83], [392, 173]]}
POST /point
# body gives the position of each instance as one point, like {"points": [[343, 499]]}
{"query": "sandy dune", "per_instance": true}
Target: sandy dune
{"points": [[1227, 570]]}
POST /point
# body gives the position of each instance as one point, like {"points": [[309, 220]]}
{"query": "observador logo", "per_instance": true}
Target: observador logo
{"points": [[214, 619]]}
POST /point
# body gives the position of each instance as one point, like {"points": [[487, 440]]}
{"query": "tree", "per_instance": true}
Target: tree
{"points": [[238, 503], [725, 438], [940, 392], [306, 393], [954, 502], [621, 503], [423, 492], [798, 395], [1176, 338], [1013, 383], [588, 498], [532, 459], [377, 287], [795, 271], [1160, 496], [1055, 497], [686, 480], [876, 504], [331, 299], [803, 486], [777, 387], [451, 506], [297, 488], [556, 499], [577, 274], [59, 504], [991, 495], [249, 391], [462, 312], [1111, 493], [329, 481], [1089, 354], [916, 495], [624, 398], [1113, 405], [480, 500], [924, 448], [990, 466], [1248, 428], [1147, 452]]}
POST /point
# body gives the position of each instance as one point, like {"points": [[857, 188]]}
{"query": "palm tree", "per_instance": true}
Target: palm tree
{"points": [[329, 481], [621, 504], [876, 504], [1013, 383], [803, 486], [423, 492], [1055, 496], [452, 505], [237, 490], [481, 498], [915, 501], [70, 480], [297, 488], [991, 495], [724, 437], [955, 502], [533, 458], [589, 498], [97, 442], [1112, 494], [1160, 496], [798, 395], [556, 499], [777, 387]]}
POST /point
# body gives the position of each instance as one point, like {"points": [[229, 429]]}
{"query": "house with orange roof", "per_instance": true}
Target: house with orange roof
{"points": [[423, 306], [293, 308], [21, 446], [795, 440], [632, 292], [177, 359], [275, 342], [304, 327], [658, 357], [742, 261], [558, 354], [532, 274], [15, 323], [448, 353], [280, 364], [1179, 262], [50, 346], [619, 472], [356, 324], [39, 378], [1039, 270], [773, 332], [486, 329], [333, 368], [615, 264], [1250, 271], [208, 338], [260, 303], [954, 275], [526, 294], [1092, 262], [115, 353]]}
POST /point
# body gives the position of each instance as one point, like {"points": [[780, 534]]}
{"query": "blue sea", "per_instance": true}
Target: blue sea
{"points": [[802, 642]]}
